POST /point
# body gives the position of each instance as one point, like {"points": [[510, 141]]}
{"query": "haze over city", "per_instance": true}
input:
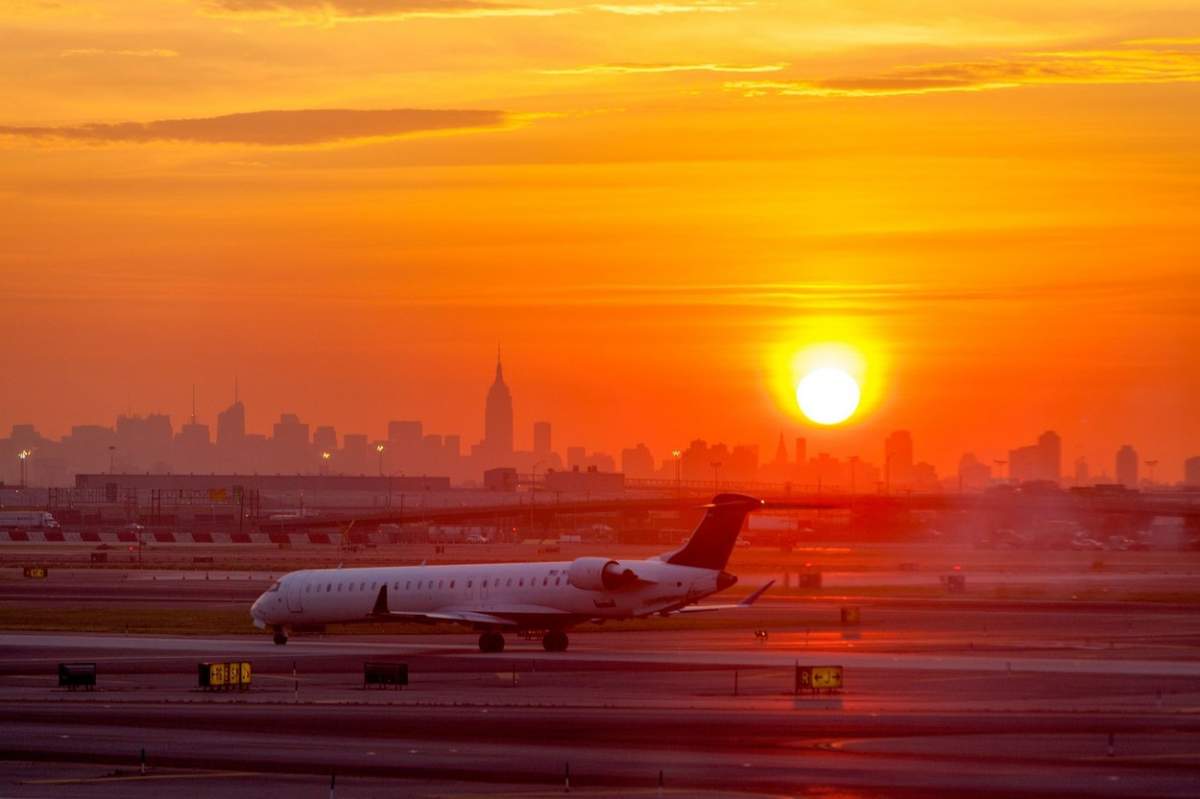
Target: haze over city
{"points": [[652, 208]]}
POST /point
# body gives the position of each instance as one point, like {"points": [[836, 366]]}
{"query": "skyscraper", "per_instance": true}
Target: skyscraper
{"points": [[1049, 456], [231, 423], [541, 438], [1127, 466], [498, 416], [898, 460]]}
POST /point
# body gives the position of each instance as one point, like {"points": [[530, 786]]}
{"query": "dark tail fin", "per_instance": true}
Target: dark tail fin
{"points": [[712, 542]]}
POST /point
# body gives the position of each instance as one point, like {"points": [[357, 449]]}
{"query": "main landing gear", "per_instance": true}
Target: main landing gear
{"points": [[491, 642], [280, 636], [555, 641]]}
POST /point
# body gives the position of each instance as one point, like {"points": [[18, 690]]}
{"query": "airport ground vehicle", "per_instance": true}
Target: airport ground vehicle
{"points": [[27, 520]]}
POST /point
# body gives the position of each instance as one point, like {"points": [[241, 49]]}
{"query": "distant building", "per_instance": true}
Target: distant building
{"points": [[973, 474], [541, 438], [637, 462], [801, 452], [1127, 466], [1191, 472], [1083, 474], [590, 481], [231, 425], [498, 416], [502, 478], [898, 460], [1040, 462], [325, 439], [290, 444]]}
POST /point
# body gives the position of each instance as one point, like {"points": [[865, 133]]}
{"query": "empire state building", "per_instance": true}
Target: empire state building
{"points": [[498, 417]]}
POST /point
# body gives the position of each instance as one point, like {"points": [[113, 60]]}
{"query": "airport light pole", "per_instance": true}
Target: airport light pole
{"points": [[112, 459], [678, 456], [325, 456], [379, 449], [1151, 465], [23, 456]]}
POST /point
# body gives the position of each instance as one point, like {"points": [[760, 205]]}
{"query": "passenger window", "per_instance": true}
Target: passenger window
{"points": [[484, 584], [329, 588], [339, 587], [419, 584], [469, 583], [545, 581], [407, 585], [521, 582], [440, 583], [556, 579], [509, 583], [451, 583]]}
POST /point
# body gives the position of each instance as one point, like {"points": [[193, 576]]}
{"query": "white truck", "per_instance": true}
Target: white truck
{"points": [[27, 520]]}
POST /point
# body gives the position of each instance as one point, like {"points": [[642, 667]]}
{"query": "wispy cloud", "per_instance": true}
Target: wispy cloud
{"points": [[658, 9], [272, 128], [155, 52], [328, 11], [653, 69], [1103, 66], [334, 11]]}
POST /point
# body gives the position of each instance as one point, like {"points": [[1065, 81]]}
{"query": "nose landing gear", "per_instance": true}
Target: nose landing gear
{"points": [[280, 637]]}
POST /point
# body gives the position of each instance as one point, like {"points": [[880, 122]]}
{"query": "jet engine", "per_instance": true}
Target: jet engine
{"points": [[599, 574]]}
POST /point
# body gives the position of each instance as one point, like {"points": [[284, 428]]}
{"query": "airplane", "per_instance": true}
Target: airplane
{"points": [[494, 598]]}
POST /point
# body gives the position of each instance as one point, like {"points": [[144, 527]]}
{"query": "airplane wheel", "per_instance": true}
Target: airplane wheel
{"points": [[491, 642], [555, 641], [280, 636]]}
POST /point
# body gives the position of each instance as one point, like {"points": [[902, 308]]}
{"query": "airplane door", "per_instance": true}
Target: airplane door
{"points": [[293, 596]]}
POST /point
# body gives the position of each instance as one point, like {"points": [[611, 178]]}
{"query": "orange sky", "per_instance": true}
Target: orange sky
{"points": [[651, 206]]}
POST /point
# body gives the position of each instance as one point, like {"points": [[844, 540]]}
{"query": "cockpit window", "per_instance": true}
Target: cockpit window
{"points": [[274, 587]]}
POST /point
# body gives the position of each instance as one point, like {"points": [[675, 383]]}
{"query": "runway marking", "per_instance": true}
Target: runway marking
{"points": [[1157, 756], [145, 777], [606, 792]]}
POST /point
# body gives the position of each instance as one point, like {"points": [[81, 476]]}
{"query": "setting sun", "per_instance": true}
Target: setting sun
{"points": [[828, 395]]}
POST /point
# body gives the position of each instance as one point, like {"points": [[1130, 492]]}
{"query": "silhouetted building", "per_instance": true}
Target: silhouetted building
{"points": [[1127, 466], [589, 481], [231, 425], [1040, 462], [356, 454], [502, 478], [1083, 475], [290, 444], [973, 474], [498, 417], [404, 444], [144, 442], [801, 452], [637, 462], [898, 460], [1191, 471], [541, 438]]}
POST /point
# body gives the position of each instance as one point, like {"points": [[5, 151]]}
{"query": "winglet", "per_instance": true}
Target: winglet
{"points": [[750, 600]]}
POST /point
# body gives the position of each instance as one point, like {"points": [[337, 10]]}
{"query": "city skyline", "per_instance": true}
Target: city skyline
{"points": [[151, 442]]}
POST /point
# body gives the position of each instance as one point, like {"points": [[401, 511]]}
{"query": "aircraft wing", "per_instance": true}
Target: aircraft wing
{"points": [[745, 603], [494, 616], [461, 616]]}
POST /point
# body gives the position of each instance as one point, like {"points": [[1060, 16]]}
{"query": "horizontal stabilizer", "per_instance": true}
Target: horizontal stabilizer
{"points": [[745, 603]]}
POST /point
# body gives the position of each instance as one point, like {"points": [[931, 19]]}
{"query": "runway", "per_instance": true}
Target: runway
{"points": [[714, 710], [975, 695]]}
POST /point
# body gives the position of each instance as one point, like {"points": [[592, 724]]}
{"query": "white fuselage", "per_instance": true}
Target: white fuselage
{"points": [[329, 596]]}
